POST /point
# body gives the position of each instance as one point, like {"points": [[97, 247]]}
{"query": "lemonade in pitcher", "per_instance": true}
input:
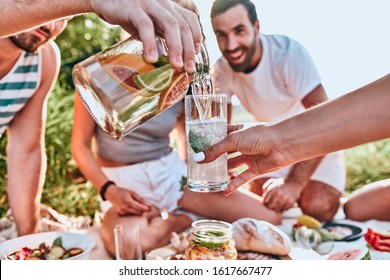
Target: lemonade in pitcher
{"points": [[122, 91]]}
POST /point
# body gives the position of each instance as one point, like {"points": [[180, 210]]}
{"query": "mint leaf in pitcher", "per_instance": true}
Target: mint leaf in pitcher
{"points": [[198, 142]]}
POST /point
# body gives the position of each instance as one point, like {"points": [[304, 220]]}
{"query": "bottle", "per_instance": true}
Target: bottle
{"points": [[122, 91], [211, 240]]}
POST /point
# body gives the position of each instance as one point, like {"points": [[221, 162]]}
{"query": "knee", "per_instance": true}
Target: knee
{"points": [[274, 218], [349, 211], [352, 212], [324, 211], [107, 237]]}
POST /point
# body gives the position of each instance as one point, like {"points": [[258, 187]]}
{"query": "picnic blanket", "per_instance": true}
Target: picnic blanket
{"points": [[53, 221]]}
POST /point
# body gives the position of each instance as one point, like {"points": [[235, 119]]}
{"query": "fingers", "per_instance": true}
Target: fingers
{"points": [[237, 161], [147, 35], [234, 127], [174, 22], [138, 206], [132, 203], [240, 180], [180, 27], [170, 28], [140, 199], [192, 38], [272, 201], [214, 151]]}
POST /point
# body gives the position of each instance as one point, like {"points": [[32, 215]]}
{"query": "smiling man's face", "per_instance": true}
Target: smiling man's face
{"points": [[31, 41], [237, 38]]}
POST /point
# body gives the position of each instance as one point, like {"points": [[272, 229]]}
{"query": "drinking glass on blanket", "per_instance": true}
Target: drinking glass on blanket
{"points": [[127, 242], [319, 240], [206, 124]]}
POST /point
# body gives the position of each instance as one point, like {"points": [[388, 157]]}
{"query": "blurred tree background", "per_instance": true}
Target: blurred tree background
{"points": [[67, 191]]}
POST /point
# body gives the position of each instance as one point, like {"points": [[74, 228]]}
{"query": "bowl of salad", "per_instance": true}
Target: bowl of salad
{"points": [[48, 246]]}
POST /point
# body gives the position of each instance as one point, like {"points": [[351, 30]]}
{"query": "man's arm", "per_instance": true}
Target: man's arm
{"points": [[20, 15], [181, 27], [26, 158]]}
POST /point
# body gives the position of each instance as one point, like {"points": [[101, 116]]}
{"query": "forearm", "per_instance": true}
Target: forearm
{"points": [[301, 172], [89, 166], [19, 15], [33, 167], [353, 119]]}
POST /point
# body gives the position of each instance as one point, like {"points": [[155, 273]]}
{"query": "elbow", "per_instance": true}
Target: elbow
{"points": [[25, 150], [79, 150], [75, 148]]}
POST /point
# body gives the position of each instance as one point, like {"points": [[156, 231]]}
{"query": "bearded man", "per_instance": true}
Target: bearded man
{"points": [[29, 66], [274, 78]]}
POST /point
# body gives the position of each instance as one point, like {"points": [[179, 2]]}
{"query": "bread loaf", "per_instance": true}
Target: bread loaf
{"points": [[259, 236]]}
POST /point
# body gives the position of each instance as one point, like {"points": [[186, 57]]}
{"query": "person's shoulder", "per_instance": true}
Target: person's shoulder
{"points": [[221, 65], [220, 62], [284, 48], [51, 58], [51, 62], [281, 41], [52, 52]]}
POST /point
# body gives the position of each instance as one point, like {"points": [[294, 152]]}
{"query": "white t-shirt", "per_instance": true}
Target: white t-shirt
{"points": [[273, 91]]}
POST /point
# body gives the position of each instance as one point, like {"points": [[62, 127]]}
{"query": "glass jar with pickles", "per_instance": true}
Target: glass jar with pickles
{"points": [[211, 240]]}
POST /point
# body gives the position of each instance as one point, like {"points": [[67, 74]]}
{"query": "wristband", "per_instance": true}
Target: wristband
{"points": [[104, 189]]}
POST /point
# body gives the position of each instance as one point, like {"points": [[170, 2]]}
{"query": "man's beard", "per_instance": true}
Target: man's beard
{"points": [[245, 66], [29, 42]]}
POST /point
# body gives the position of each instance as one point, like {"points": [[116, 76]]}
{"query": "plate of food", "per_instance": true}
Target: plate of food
{"points": [[48, 246], [343, 232]]}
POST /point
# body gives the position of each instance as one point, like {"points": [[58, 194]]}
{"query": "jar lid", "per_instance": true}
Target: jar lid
{"points": [[218, 228]]}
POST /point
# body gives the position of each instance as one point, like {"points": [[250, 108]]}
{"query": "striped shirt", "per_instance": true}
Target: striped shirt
{"points": [[17, 87]]}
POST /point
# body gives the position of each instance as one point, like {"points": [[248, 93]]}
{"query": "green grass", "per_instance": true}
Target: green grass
{"points": [[367, 163]]}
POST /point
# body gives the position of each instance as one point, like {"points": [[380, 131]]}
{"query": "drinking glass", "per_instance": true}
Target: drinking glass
{"points": [[122, 91], [318, 240], [127, 242], [206, 124]]}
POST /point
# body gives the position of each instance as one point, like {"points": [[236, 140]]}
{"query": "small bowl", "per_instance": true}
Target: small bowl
{"points": [[163, 253], [69, 240]]}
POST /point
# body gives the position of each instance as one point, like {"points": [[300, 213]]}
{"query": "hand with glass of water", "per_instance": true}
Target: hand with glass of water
{"points": [[206, 124]]}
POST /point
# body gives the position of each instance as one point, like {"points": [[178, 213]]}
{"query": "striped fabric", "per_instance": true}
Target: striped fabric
{"points": [[18, 86]]}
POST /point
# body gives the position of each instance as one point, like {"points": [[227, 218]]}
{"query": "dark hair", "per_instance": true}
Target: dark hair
{"points": [[221, 6]]}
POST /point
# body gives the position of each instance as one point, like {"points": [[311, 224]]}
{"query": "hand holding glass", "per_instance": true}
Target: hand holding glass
{"points": [[206, 124]]}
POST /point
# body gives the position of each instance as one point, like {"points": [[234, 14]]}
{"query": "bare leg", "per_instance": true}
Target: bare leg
{"points": [[154, 231], [320, 201], [25, 206], [370, 202], [240, 204]]}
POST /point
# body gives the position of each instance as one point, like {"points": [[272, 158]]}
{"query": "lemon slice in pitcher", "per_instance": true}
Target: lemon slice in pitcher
{"points": [[176, 91], [156, 80], [123, 67]]}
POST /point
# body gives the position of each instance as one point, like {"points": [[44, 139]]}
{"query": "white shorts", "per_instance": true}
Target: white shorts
{"points": [[330, 171], [157, 181]]}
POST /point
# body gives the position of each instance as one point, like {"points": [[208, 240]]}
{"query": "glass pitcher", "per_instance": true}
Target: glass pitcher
{"points": [[122, 91]]}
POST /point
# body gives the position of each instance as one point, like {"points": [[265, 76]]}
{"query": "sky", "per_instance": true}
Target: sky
{"points": [[349, 40]]}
